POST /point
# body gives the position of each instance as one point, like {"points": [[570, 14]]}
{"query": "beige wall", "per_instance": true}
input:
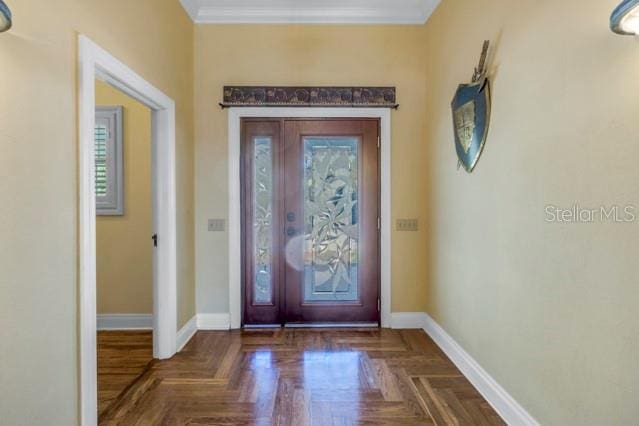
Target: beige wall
{"points": [[38, 181], [550, 310], [124, 250], [307, 55]]}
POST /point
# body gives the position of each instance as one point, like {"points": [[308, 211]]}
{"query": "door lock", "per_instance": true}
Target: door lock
{"points": [[290, 231]]}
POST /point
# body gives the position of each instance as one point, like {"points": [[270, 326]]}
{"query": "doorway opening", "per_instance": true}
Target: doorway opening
{"points": [[311, 221], [124, 249], [97, 64]]}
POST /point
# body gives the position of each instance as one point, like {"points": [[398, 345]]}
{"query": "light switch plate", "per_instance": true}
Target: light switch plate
{"points": [[217, 225], [407, 225]]}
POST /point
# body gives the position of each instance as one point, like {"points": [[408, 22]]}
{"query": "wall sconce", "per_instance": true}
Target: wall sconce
{"points": [[5, 17], [625, 18]]}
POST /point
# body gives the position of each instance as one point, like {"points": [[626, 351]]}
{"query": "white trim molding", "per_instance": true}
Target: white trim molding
{"points": [[213, 322], [96, 63], [505, 405], [125, 321], [186, 333], [310, 11], [201, 322], [234, 214], [408, 320]]}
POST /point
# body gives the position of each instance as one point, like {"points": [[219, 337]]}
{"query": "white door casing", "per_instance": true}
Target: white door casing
{"points": [[234, 214], [97, 63]]}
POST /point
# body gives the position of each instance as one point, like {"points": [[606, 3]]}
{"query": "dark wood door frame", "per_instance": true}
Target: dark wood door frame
{"points": [[279, 129]]}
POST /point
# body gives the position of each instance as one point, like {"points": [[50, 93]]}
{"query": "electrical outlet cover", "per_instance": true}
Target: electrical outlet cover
{"points": [[407, 225], [217, 225]]}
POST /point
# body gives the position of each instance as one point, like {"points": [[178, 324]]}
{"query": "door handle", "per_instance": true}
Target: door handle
{"points": [[154, 237], [290, 231]]}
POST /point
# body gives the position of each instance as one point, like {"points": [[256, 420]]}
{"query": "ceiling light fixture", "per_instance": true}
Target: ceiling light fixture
{"points": [[625, 18], [5, 17]]}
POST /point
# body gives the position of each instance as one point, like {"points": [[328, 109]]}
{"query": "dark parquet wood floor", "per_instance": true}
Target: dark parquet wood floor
{"points": [[303, 377], [122, 357]]}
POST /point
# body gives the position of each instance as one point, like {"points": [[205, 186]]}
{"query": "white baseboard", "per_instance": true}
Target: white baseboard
{"points": [[125, 321], [507, 407], [201, 322], [408, 320], [186, 332], [213, 322]]}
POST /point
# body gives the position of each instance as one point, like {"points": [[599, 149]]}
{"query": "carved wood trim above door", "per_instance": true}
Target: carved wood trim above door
{"points": [[309, 96]]}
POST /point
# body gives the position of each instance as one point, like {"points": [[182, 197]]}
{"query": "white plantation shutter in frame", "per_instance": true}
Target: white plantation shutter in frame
{"points": [[109, 172]]}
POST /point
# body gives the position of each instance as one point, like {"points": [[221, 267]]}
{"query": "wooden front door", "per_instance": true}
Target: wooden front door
{"points": [[310, 221]]}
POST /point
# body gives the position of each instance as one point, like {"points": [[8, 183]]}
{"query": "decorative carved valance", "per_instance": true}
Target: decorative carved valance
{"points": [[274, 96]]}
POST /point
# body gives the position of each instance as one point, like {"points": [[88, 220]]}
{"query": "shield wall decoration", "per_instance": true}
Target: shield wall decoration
{"points": [[471, 116]]}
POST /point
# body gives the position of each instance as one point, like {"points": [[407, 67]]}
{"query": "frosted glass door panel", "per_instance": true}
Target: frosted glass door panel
{"points": [[331, 212], [263, 219]]}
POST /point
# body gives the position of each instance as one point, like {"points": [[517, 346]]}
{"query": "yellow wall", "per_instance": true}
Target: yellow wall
{"points": [[124, 250], [549, 310], [308, 55], [39, 183]]}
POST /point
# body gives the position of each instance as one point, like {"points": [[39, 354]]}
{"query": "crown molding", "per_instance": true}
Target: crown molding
{"points": [[405, 12]]}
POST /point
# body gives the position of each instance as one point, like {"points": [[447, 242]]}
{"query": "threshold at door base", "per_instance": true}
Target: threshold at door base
{"points": [[258, 326], [331, 325], [314, 325]]}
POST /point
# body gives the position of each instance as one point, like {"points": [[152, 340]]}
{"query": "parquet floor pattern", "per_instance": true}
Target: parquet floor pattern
{"points": [[122, 357], [303, 377]]}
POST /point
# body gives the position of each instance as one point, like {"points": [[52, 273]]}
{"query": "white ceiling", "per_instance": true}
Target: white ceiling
{"points": [[310, 11]]}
